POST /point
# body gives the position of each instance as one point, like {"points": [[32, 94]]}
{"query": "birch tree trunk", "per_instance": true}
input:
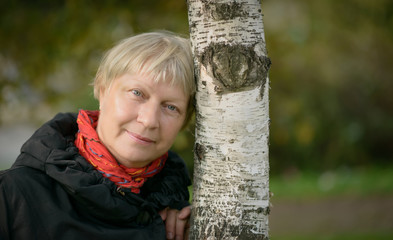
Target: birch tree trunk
{"points": [[231, 172]]}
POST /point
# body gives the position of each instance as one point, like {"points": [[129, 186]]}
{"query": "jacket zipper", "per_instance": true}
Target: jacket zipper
{"points": [[119, 190]]}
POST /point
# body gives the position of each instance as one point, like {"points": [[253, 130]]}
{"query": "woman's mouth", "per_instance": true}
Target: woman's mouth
{"points": [[140, 139]]}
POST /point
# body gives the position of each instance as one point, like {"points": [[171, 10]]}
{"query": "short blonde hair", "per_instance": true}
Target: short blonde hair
{"points": [[162, 55]]}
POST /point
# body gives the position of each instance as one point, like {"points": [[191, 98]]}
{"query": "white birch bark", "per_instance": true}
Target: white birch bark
{"points": [[231, 172]]}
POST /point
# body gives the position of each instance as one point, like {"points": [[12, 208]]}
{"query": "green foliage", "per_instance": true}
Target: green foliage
{"points": [[340, 183], [330, 83]]}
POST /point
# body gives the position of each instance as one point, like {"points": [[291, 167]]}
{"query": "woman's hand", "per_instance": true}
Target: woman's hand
{"points": [[176, 222]]}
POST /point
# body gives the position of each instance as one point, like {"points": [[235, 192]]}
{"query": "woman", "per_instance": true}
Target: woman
{"points": [[108, 174]]}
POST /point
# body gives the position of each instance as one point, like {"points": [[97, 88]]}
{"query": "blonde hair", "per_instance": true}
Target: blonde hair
{"points": [[162, 55]]}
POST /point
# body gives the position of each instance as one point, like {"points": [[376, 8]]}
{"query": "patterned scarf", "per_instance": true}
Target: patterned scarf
{"points": [[91, 148]]}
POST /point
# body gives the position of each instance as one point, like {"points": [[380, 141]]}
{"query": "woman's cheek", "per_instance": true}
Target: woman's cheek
{"points": [[126, 110]]}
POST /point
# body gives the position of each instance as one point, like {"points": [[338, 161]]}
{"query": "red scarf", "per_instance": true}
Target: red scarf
{"points": [[91, 148]]}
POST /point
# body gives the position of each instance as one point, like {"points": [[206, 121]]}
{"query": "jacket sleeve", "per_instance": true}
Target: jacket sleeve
{"points": [[169, 188], [4, 209]]}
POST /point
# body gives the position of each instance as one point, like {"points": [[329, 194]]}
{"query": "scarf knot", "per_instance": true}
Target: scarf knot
{"points": [[91, 148]]}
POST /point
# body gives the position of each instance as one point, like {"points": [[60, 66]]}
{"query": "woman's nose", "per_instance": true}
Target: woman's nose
{"points": [[148, 115]]}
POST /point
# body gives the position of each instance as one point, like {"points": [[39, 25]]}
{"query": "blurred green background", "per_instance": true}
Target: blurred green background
{"points": [[331, 96]]}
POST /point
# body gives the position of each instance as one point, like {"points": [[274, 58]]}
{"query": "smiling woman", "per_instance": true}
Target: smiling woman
{"points": [[140, 118], [109, 174]]}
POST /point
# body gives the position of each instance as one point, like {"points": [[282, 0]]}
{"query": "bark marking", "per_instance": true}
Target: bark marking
{"points": [[223, 11], [236, 67], [200, 151]]}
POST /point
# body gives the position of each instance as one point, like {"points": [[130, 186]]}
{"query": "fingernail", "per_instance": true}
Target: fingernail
{"points": [[169, 235]]}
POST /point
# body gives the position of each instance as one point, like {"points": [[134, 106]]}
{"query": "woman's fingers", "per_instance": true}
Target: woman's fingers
{"points": [[185, 213], [163, 214], [170, 223], [176, 223]]}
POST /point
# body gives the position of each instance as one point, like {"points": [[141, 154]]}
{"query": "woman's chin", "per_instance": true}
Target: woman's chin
{"points": [[136, 159]]}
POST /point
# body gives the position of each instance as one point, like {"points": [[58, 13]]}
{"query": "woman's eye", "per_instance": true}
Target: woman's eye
{"points": [[171, 107], [136, 93]]}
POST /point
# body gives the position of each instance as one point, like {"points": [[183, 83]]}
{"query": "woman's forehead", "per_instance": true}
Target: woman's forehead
{"points": [[151, 81], [161, 77]]}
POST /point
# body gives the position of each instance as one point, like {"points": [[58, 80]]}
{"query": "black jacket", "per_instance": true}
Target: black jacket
{"points": [[52, 192]]}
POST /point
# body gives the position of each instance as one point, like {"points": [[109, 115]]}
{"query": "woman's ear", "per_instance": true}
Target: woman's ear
{"points": [[101, 97]]}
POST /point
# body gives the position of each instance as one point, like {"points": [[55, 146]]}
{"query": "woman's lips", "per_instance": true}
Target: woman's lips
{"points": [[140, 139]]}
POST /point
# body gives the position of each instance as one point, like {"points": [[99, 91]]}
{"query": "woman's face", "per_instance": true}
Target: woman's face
{"points": [[140, 118]]}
